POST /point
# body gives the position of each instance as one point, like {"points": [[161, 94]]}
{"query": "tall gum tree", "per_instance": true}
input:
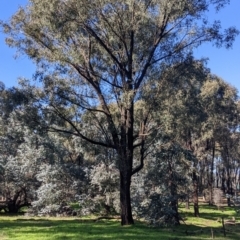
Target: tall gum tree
{"points": [[93, 53], [219, 129]]}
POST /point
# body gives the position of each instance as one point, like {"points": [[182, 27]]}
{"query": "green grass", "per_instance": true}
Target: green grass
{"points": [[21, 228], [75, 206]]}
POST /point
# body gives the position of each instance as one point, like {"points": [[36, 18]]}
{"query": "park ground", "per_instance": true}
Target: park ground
{"points": [[207, 226]]}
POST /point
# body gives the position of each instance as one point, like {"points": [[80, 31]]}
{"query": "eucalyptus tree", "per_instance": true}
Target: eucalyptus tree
{"points": [[27, 153], [166, 182], [181, 112], [17, 174], [218, 130], [93, 53], [18, 160], [37, 170], [104, 191], [61, 175]]}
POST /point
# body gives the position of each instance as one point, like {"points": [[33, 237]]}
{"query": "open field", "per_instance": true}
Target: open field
{"points": [[21, 228]]}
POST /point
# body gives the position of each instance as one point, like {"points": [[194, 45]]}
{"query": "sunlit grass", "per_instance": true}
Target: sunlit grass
{"points": [[21, 227]]}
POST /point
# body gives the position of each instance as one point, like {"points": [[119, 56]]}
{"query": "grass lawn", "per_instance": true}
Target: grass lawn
{"points": [[22, 228]]}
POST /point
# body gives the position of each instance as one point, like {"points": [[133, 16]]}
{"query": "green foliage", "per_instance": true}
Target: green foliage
{"points": [[98, 61], [36, 168], [166, 183]]}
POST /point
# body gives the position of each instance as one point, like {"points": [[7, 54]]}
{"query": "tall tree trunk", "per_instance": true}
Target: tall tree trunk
{"points": [[228, 172], [217, 178], [223, 180], [187, 202], [194, 178], [211, 183], [229, 188], [125, 199], [125, 186], [173, 190], [195, 194], [126, 162], [201, 176]]}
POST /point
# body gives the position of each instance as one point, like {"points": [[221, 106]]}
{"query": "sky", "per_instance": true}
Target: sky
{"points": [[222, 62]]}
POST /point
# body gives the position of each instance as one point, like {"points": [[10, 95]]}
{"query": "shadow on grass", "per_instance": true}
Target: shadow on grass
{"points": [[59, 229], [211, 212], [77, 229]]}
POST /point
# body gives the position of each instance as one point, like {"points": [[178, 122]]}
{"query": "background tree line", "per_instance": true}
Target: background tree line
{"points": [[194, 149]]}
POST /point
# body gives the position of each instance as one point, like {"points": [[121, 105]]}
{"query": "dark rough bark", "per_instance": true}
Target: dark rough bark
{"points": [[19, 200], [195, 180], [174, 206], [174, 201], [125, 186], [125, 199], [14, 207], [187, 202], [217, 177], [126, 161], [195, 195], [229, 189]]}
